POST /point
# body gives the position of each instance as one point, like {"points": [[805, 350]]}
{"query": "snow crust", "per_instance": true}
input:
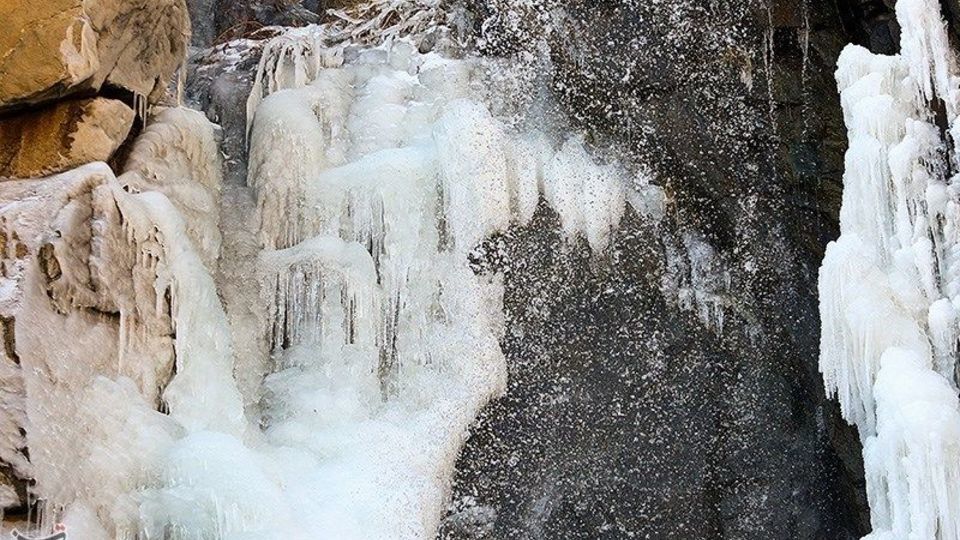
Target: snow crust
{"points": [[889, 289]]}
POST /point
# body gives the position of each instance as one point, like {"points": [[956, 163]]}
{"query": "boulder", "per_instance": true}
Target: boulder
{"points": [[62, 136], [46, 49], [57, 47]]}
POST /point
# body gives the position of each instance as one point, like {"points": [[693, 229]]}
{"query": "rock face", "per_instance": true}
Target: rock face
{"points": [[677, 395], [46, 49], [75, 49], [50, 49], [69, 73], [141, 43], [202, 13], [223, 20], [62, 136]]}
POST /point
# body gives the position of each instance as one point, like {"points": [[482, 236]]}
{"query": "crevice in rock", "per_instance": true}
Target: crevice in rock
{"points": [[8, 325]]}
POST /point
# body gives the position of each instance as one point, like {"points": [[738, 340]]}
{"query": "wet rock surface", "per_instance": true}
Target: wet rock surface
{"points": [[634, 411]]}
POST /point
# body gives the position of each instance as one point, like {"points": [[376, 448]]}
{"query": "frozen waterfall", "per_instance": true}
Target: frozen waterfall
{"points": [[374, 172], [890, 286]]}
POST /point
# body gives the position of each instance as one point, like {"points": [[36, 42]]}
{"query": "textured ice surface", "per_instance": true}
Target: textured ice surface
{"points": [[374, 182], [888, 286], [333, 405]]}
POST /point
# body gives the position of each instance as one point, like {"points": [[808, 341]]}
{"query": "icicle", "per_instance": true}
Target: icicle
{"points": [[181, 83], [888, 295], [140, 106]]}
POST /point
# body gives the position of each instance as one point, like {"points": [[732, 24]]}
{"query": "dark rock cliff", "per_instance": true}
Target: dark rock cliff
{"points": [[627, 416]]}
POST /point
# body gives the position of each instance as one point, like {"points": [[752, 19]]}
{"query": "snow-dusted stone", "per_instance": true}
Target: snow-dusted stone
{"points": [[63, 136], [57, 47]]}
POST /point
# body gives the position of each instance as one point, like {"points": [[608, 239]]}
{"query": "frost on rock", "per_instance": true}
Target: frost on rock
{"points": [[889, 289]]}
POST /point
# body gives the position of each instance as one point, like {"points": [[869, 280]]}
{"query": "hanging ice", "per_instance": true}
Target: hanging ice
{"points": [[374, 181], [889, 289], [376, 171]]}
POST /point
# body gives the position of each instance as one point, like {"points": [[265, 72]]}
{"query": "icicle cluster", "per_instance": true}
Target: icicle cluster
{"points": [[298, 55], [374, 181], [889, 288]]}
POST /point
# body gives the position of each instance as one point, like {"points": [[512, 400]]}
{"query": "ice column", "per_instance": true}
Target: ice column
{"points": [[888, 285]]}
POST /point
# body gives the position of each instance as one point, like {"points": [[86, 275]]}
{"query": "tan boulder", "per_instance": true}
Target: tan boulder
{"points": [[46, 48], [53, 48], [62, 136]]}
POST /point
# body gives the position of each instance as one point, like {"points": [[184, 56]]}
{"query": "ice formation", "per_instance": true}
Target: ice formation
{"points": [[374, 182], [890, 286], [317, 379], [116, 318]]}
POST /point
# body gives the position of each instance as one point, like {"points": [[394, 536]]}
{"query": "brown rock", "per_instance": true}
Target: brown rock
{"points": [[46, 48], [63, 136], [53, 48], [141, 42]]}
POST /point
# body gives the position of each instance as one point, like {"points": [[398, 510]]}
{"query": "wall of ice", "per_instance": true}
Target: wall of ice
{"points": [[374, 181], [890, 286], [317, 378]]}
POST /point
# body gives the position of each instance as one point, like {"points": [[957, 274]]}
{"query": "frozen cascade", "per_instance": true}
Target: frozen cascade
{"points": [[376, 171], [889, 289], [375, 179]]}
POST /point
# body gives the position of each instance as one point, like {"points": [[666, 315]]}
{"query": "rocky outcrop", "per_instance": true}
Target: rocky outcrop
{"points": [[73, 50], [62, 136], [46, 49], [58, 47], [141, 43]]}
